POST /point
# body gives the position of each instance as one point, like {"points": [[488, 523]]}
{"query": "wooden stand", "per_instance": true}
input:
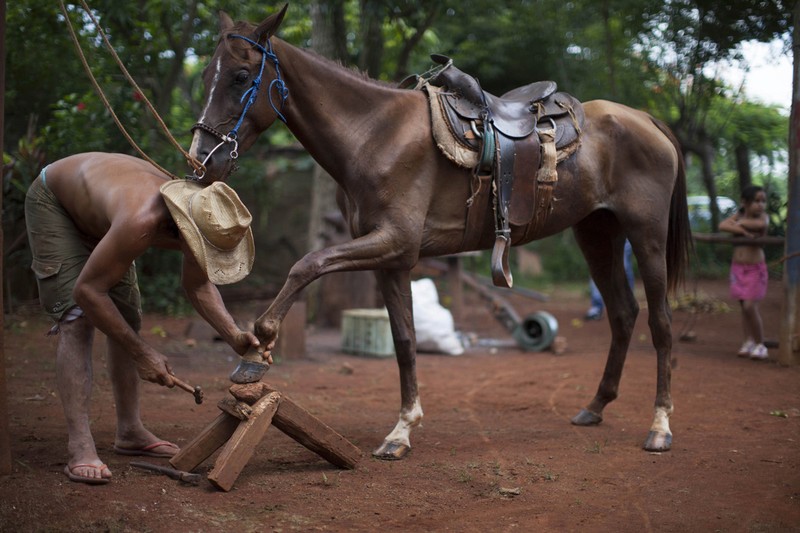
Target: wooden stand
{"points": [[242, 424]]}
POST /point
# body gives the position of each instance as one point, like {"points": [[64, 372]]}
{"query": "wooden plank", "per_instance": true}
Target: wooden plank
{"points": [[303, 427], [235, 408], [727, 238], [242, 444], [315, 435], [207, 442], [789, 353]]}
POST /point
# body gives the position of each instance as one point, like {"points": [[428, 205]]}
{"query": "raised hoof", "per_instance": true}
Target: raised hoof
{"points": [[391, 451], [587, 418], [248, 372], [658, 442]]}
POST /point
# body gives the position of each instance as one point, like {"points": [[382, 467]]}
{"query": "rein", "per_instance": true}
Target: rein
{"points": [[196, 165], [250, 94]]}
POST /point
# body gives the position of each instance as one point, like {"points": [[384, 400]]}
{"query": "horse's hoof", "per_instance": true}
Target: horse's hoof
{"points": [[391, 451], [587, 418], [658, 441]]}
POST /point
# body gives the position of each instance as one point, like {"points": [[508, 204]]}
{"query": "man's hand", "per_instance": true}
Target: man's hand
{"points": [[243, 341], [155, 368]]}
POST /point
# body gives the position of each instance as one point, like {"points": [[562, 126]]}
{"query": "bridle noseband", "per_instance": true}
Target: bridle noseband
{"points": [[250, 94]]}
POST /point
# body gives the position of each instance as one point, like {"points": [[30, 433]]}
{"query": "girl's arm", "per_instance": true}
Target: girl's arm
{"points": [[757, 225], [733, 224]]}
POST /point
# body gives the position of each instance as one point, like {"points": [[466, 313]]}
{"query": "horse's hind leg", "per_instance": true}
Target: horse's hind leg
{"points": [[604, 254], [653, 271], [395, 286]]}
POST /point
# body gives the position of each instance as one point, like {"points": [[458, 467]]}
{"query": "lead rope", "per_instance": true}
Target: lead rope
{"points": [[194, 163]]}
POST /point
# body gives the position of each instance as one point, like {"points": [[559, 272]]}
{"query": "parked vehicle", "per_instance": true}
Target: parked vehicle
{"points": [[700, 211]]}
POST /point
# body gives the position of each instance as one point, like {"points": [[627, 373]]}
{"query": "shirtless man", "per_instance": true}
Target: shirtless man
{"points": [[89, 216]]}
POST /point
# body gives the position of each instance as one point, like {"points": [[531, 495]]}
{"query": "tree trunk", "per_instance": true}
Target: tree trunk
{"points": [[706, 154], [371, 53], [609, 42], [789, 349], [328, 30], [327, 39], [328, 35], [743, 166], [408, 46]]}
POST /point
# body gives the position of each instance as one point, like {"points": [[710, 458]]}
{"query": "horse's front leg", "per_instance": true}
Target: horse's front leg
{"points": [[374, 250], [395, 286]]}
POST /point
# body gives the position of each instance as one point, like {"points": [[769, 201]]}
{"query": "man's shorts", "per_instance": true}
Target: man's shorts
{"points": [[60, 252], [749, 281]]}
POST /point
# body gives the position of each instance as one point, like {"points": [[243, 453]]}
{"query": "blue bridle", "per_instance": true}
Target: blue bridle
{"points": [[250, 94]]}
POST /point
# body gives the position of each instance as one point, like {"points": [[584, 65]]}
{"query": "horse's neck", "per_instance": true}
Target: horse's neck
{"points": [[333, 112]]}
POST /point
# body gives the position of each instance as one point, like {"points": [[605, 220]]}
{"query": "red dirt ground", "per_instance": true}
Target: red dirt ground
{"points": [[496, 451]]}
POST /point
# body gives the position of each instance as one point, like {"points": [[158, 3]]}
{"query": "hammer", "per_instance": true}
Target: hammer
{"points": [[196, 390], [186, 477]]}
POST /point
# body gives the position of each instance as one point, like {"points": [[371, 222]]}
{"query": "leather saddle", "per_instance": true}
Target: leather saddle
{"points": [[516, 134], [516, 114]]}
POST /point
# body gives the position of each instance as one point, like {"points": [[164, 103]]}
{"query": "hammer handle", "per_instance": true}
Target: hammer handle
{"points": [[183, 385]]}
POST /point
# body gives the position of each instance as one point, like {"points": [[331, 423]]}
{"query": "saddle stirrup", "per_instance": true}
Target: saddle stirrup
{"points": [[501, 273]]}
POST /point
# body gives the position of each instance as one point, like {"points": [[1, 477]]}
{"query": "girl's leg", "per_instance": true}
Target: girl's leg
{"points": [[752, 321]]}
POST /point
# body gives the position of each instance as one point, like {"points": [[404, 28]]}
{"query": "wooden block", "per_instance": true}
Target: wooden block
{"points": [[303, 427], [249, 393], [207, 442], [315, 435], [235, 408], [242, 444]]}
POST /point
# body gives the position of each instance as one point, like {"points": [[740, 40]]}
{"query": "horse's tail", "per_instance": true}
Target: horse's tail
{"points": [[680, 245]]}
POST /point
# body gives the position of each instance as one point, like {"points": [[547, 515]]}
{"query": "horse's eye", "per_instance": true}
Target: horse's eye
{"points": [[241, 77]]}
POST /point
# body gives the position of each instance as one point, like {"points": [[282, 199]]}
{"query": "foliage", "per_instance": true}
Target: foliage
{"points": [[660, 56]]}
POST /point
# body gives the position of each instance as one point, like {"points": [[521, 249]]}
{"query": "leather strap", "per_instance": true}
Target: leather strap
{"points": [[477, 207]]}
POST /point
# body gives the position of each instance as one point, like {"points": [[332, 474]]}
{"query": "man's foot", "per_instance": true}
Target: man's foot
{"points": [[759, 352], [88, 473], [747, 348], [159, 448], [593, 314]]}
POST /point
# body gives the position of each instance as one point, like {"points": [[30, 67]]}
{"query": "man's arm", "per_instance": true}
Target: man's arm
{"points": [[106, 266], [206, 299]]}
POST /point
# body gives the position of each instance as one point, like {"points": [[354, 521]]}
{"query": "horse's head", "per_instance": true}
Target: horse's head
{"points": [[242, 68]]}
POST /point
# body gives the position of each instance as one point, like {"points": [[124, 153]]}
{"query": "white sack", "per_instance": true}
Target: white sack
{"points": [[432, 322]]}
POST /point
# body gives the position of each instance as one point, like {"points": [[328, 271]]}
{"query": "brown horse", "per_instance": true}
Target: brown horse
{"points": [[404, 200]]}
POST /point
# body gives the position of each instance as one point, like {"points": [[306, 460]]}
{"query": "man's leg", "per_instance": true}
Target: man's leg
{"points": [[595, 311], [132, 438], [74, 380], [627, 260]]}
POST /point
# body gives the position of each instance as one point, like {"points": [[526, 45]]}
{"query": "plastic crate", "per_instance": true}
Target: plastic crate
{"points": [[367, 332]]}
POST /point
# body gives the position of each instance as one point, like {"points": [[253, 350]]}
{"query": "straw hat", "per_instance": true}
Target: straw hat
{"points": [[216, 225]]}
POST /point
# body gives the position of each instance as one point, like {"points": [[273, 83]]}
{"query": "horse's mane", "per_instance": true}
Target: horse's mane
{"points": [[247, 29]]}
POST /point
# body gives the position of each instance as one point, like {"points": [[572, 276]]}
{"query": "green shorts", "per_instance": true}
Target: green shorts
{"points": [[60, 251]]}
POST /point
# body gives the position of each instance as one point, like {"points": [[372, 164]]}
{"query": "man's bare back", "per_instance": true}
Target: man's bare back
{"points": [[101, 190]]}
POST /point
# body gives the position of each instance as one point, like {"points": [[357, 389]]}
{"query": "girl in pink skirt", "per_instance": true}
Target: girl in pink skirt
{"points": [[749, 268]]}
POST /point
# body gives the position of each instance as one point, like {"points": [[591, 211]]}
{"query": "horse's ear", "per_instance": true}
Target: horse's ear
{"points": [[270, 25], [225, 22]]}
